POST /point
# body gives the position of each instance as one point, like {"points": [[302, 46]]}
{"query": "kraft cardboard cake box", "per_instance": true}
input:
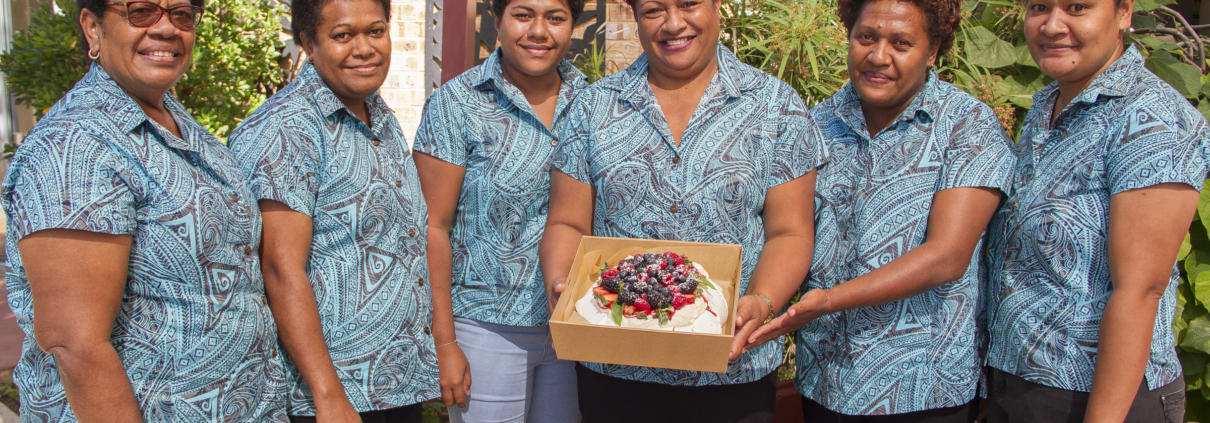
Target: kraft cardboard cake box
{"points": [[576, 339]]}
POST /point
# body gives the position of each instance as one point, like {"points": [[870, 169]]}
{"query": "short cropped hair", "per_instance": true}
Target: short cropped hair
{"points": [[576, 6], [942, 18], [305, 17]]}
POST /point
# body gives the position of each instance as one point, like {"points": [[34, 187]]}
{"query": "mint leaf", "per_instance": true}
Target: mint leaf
{"points": [[604, 267], [663, 317], [617, 313], [703, 281], [641, 316]]}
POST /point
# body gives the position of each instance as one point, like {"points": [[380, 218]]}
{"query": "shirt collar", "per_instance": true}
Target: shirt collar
{"points": [[923, 107], [1115, 81], [127, 115], [491, 76], [328, 103], [733, 77]]}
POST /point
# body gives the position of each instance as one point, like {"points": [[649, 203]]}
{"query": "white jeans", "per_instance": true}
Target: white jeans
{"points": [[515, 376]]}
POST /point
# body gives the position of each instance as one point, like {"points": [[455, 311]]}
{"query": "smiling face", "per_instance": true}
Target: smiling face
{"points": [[889, 55], [680, 37], [534, 36], [145, 62], [351, 51], [1068, 38]]}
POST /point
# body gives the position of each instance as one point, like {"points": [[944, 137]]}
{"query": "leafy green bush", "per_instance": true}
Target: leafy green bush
{"points": [[235, 61]]}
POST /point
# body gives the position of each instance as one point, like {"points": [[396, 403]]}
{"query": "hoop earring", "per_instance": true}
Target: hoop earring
{"points": [[309, 60], [94, 56]]}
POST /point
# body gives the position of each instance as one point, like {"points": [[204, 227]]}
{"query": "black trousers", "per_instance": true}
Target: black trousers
{"points": [[813, 412], [407, 414], [1012, 399], [609, 400]]}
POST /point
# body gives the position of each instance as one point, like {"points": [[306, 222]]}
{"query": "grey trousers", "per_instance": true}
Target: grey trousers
{"points": [[1012, 399]]}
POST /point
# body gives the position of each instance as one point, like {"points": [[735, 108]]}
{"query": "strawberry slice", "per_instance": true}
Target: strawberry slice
{"points": [[690, 298], [609, 297], [600, 290]]}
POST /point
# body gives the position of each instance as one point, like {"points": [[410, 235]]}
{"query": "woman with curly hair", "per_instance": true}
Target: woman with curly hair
{"points": [[916, 169]]}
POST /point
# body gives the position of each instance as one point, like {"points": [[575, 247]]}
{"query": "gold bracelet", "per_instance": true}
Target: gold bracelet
{"points": [[768, 303], [447, 343]]}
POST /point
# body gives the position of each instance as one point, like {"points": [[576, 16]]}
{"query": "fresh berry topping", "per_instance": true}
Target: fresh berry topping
{"points": [[628, 311], [672, 255], [631, 280], [675, 289], [690, 298], [659, 298], [667, 279], [609, 273], [642, 277], [611, 284], [678, 301], [627, 298], [680, 261], [689, 286], [661, 263], [641, 305], [638, 287]]}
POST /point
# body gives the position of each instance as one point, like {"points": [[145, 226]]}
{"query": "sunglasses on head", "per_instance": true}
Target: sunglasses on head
{"points": [[143, 14]]}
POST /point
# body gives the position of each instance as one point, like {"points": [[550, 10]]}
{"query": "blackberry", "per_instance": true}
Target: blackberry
{"points": [[627, 298], [658, 299], [689, 286], [612, 284]]}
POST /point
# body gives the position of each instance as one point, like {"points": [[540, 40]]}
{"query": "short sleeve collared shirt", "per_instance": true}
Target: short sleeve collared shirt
{"points": [[872, 203], [1049, 276], [483, 123], [194, 334], [745, 137], [367, 266]]}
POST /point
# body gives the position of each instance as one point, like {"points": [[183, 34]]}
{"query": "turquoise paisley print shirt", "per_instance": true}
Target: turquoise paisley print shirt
{"points": [[367, 266], [872, 203], [194, 334], [1049, 276], [746, 136], [481, 122]]}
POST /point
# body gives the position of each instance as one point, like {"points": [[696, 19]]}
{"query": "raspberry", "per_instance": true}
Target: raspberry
{"points": [[678, 301], [672, 255], [609, 273], [611, 284], [679, 261], [641, 305], [642, 277], [675, 289], [667, 279], [661, 263]]}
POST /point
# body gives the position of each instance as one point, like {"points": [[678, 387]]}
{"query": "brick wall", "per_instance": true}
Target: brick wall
{"points": [[404, 87], [621, 41]]}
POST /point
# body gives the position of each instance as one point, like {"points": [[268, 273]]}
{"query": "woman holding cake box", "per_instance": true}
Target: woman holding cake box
{"points": [[916, 170], [483, 147], [687, 144]]}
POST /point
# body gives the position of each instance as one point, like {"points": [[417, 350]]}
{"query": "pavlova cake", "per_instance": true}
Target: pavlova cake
{"points": [[655, 291]]}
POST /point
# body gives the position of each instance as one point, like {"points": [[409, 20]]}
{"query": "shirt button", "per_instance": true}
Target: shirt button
{"points": [[833, 337], [554, 143], [234, 198], [247, 250], [673, 209], [263, 300], [411, 232], [399, 184], [421, 282], [426, 330], [273, 352], [375, 142], [676, 160]]}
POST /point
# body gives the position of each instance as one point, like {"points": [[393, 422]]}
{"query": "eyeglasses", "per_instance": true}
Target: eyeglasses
{"points": [[143, 14]]}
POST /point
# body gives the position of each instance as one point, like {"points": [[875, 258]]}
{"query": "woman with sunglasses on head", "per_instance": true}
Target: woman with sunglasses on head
{"points": [[131, 245], [687, 144], [484, 147], [344, 251], [889, 321], [1082, 275]]}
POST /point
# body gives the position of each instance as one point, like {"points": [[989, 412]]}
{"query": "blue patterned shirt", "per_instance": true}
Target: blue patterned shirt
{"points": [[194, 334], [1049, 271], [745, 137], [367, 266], [872, 203], [481, 122]]}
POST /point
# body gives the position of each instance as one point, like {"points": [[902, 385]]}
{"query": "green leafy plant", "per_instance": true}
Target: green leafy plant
{"points": [[237, 61]]}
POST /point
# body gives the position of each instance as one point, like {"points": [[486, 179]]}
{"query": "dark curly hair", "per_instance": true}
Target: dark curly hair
{"points": [[98, 7], [941, 19], [305, 16], [576, 6]]}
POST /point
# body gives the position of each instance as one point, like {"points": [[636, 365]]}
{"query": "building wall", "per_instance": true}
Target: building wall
{"points": [[621, 40], [404, 87]]}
